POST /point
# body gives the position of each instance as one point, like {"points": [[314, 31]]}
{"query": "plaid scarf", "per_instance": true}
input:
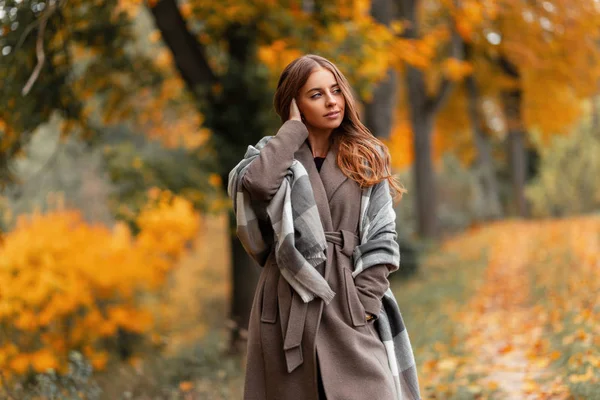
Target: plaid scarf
{"points": [[293, 209]]}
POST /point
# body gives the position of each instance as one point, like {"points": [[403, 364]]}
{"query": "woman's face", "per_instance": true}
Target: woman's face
{"points": [[321, 101]]}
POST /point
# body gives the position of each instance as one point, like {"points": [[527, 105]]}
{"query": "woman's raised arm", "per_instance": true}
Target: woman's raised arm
{"points": [[265, 173]]}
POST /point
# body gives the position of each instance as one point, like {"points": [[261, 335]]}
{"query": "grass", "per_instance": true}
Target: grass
{"points": [[430, 302]]}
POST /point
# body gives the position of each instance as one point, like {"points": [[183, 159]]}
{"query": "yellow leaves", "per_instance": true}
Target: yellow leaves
{"points": [[158, 118], [361, 8], [166, 224], [397, 27], [588, 375], [277, 55], [474, 389], [133, 320], [465, 29], [44, 360], [338, 32], [19, 363], [578, 336], [164, 59], [548, 105], [106, 328], [131, 7], [154, 36], [98, 359], [215, 180], [531, 386], [26, 321], [455, 69], [413, 52], [509, 332], [186, 386], [419, 53], [400, 145], [66, 284], [506, 348], [470, 17], [218, 15], [186, 10], [448, 364], [137, 163]]}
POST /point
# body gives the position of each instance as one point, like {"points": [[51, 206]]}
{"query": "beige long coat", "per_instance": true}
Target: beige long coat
{"points": [[287, 338]]}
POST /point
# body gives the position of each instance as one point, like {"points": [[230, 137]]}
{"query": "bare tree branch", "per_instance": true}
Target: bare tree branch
{"points": [[39, 47], [26, 33], [41, 58]]}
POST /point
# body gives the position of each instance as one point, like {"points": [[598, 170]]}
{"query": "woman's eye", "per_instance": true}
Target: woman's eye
{"points": [[314, 96]]}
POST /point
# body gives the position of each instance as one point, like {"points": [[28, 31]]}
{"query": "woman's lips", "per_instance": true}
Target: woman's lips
{"points": [[332, 115]]}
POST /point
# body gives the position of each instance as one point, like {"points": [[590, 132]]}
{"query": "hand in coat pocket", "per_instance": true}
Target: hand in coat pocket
{"points": [[355, 308]]}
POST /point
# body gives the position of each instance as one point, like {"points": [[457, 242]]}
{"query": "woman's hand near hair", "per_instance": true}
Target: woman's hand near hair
{"points": [[265, 174], [295, 112]]}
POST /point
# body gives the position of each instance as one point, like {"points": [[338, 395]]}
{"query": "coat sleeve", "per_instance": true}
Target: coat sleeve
{"points": [[265, 174], [371, 284]]}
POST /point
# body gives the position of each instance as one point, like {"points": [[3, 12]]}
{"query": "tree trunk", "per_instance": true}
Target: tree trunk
{"points": [[518, 169], [245, 274], [484, 152], [378, 113], [188, 53], [517, 154], [234, 120], [423, 110], [424, 177], [422, 113], [595, 114]]}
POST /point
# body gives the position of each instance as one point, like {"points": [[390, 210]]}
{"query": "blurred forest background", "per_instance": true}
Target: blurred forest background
{"points": [[120, 274]]}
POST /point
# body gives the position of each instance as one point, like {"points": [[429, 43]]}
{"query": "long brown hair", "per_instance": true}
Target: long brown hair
{"points": [[361, 156]]}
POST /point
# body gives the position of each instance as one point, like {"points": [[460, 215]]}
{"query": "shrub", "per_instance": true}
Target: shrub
{"points": [[567, 182], [68, 285]]}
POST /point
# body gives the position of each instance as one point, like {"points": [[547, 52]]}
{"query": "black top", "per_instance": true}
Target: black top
{"points": [[319, 162]]}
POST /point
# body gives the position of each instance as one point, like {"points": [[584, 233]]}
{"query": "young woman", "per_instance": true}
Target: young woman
{"points": [[328, 347]]}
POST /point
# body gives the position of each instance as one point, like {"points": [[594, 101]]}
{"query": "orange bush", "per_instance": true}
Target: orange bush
{"points": [[66, 284]]}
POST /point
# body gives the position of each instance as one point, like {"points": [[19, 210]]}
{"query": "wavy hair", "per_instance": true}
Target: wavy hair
{"points": [[361, 156]]}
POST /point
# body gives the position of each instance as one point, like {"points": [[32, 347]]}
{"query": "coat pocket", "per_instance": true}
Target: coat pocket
{"points": [[268, 311], [355, 307]]}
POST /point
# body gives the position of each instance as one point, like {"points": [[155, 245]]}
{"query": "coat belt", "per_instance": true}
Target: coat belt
{"points": [[292, 333]]}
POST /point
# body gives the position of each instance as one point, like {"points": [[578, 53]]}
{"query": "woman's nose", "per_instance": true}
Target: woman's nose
{"points": [[331, 100]]}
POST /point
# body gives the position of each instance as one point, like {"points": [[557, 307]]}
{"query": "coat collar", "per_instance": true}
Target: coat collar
{"points": [[324, 183]]}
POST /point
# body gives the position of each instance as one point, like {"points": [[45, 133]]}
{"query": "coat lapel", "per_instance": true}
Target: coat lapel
{"points": [[331, 174], [304, 155]]}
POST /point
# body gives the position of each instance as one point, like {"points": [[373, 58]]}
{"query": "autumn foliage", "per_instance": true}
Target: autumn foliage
{"points": [[529, 325], [69, 285]]}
